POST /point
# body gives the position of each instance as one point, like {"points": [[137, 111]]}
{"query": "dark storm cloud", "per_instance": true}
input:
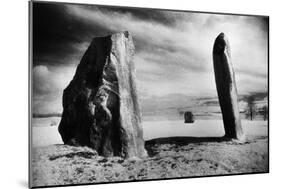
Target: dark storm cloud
{"points": [[173, 49], [150, 15], [61, 36], [57, 34]]}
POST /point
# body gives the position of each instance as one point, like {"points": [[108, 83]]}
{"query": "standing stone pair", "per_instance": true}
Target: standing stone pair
{"points": [[101, 108]]}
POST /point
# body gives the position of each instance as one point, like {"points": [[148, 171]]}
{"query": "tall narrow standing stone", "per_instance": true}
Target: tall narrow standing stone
{"points": [[226, 88], [100, 105]]}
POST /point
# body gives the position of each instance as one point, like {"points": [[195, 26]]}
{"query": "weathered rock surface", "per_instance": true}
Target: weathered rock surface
{"points": [[188, 117], [100, 105], [226, 88]]}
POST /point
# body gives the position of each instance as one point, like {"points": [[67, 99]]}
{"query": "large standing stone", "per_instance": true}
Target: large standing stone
{"points": [[100, 105], [226, 88]]}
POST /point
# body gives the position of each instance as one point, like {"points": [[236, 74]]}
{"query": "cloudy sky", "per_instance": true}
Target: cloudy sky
{"points": [[173, 52]]}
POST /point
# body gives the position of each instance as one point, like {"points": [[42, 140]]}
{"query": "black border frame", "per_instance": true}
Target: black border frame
{"points": [[30, 91]]}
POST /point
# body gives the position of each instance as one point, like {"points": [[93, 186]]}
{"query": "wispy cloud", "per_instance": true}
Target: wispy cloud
{"points": [[48, 85], [173, 49]]}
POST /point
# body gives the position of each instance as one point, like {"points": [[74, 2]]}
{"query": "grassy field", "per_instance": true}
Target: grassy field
{"points": [[175, 149]]}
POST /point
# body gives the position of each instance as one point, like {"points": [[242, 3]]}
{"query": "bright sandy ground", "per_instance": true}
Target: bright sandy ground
{"points": [[188, 154], [45, 134]]}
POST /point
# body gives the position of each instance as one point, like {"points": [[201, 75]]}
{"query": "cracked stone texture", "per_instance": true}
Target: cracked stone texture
{"points": [[100, 105]]}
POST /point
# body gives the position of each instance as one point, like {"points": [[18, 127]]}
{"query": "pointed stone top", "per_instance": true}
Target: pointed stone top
{"points": [[222, 38], [221, 34], [221, 43]]}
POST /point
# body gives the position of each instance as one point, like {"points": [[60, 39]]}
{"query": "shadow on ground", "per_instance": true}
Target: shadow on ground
{"points": [[179, 141], [184, 140]]}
